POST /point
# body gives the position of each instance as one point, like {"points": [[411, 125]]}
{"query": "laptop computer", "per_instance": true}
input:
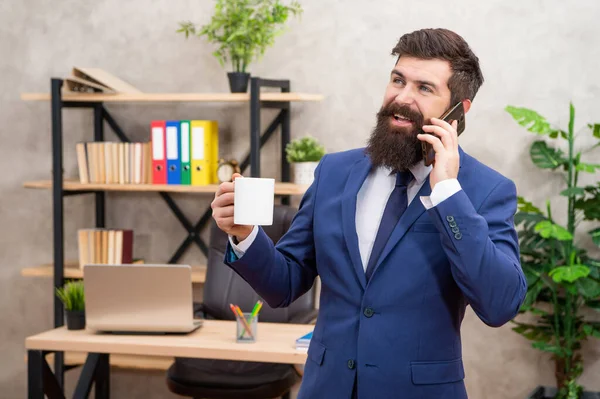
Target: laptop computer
{"points": [[144, 298]]}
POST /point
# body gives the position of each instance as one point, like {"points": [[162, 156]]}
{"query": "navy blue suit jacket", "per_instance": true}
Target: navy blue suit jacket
{"points": [[399, 334]]}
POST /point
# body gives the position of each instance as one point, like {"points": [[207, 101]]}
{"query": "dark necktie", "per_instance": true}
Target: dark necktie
{"points": [[395, 207]]}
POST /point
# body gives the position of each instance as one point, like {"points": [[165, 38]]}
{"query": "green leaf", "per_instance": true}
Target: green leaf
{"points": [[305, 149], [546, 347], [526, 206], [587, 167], [545, 157], [571, 119], [532, 294], [594, 304], [573, 191], [595, 236], [590, 331], [590, 206], [72, 295], [588, 288], [538, 312], [529, 119], [533, 332], [528, 219], [569, 273], [548, 229], [595, 129], [555, 133]]}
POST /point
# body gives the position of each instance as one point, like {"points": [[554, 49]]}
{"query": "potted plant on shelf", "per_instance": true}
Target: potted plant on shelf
{"points": [[73, 298], [304, 154], [242, 30], [562, 277]]}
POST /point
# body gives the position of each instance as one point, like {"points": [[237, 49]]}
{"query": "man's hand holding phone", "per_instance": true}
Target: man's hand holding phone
{"points": [[444, 140]]}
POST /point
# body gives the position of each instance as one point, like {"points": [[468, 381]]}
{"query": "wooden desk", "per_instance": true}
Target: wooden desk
{"points": [[214, 340]]}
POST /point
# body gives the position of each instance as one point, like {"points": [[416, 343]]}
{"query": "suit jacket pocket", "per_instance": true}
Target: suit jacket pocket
{"points": [[424, 228], [437, 372], [316, 352]]}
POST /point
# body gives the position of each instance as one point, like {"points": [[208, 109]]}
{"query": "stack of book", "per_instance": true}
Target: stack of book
{"points": [[105, 246], [303, 342], [114, 162], [96, 80]]}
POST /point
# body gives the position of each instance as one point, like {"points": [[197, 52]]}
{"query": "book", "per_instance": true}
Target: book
{"points": [[97, 80], [106, 246], [303, 342], [108, 162]]}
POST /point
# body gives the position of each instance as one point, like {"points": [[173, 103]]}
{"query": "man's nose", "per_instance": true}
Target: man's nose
{"points": [[405, 96]]}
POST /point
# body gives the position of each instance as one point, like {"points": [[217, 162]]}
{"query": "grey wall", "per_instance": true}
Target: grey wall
{"points": [[539, 54]]}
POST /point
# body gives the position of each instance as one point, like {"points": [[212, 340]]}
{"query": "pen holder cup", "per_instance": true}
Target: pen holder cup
{"points": [[242, 327]]}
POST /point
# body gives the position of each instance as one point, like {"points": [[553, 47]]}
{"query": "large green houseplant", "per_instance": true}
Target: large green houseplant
{"points": [[243, 30], [563, 277]]}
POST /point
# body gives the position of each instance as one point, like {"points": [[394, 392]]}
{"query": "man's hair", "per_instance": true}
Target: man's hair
{"points": [[466, 78]]}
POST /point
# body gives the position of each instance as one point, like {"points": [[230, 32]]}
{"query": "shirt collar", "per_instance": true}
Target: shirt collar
{"points": [[419, 171]]}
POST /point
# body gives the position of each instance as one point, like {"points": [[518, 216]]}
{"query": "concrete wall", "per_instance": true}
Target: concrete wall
{"points": [[539, 54]]}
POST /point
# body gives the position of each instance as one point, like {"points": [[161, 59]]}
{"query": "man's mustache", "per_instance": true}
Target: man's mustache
{"points": [[404, 111]]}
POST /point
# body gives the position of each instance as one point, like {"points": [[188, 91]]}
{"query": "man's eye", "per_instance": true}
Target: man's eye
{"points": [[398, 80], [426, 88]]}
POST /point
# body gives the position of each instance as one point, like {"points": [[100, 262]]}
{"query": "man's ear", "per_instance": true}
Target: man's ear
{"points": [[466, 105]]}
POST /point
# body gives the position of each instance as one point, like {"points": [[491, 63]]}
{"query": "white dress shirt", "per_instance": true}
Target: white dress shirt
{"points": [[370, 204]]}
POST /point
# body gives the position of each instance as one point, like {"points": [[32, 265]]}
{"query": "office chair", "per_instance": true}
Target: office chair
{"points": [[223, 379]]}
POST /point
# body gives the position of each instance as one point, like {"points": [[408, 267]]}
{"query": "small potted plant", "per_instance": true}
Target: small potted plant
{"points": [[73, 299], [242, 30], [304, 154]]}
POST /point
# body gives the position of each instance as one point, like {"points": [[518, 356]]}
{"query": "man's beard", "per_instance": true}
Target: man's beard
{"points": [[396, 147]]}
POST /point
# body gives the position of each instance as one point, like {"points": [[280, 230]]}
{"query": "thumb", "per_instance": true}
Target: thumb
{"points": [[235, 176]]}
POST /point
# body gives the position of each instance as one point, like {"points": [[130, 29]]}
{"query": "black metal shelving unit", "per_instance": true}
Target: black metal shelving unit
{"points": [[97, 367]]}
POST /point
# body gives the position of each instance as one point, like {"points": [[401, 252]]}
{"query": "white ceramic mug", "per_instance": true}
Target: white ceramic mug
{"points": [[253, 201]]}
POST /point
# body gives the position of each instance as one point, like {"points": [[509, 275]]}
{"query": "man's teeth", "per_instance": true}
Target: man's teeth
{"points": [[398, 117]]}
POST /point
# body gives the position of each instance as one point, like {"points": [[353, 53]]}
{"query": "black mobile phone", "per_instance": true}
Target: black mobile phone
{"points": [[454, 113]]}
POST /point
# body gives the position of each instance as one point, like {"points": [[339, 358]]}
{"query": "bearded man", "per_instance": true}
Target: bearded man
{"points": [[401, 247]]}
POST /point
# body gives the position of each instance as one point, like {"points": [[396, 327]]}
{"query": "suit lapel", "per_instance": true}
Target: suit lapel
{"points": [[357, 176], [408, 218], [412, 213]]}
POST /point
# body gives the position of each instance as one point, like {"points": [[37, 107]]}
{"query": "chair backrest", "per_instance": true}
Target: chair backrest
{"points": [[224, 286]]}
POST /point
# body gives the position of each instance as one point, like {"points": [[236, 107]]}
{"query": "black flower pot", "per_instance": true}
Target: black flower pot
{"points": [[549, 393], [238, 81], [75, 319]]}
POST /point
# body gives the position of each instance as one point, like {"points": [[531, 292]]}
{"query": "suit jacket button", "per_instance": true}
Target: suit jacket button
{"points": [[450, 218], [452, 224], [458, 236], [368, 312], [351, 364], [455, 229]]}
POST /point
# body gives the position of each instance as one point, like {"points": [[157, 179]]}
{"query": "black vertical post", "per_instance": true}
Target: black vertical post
{"points": [[58, 214], [35, 375], [102, 381], [99, 136], [255, 127], [285, 139]]}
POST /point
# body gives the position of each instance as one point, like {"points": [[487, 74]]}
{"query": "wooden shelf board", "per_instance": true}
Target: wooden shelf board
{"points": [[173, 97], [136, 362], [73, 271], [73, 185]]}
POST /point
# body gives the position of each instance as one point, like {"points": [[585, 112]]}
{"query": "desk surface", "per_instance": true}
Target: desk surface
{"points": [[214, 340]]}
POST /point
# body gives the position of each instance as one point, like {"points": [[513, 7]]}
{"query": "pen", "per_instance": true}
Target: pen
{"points": [[254, 309], [243, 319]]}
